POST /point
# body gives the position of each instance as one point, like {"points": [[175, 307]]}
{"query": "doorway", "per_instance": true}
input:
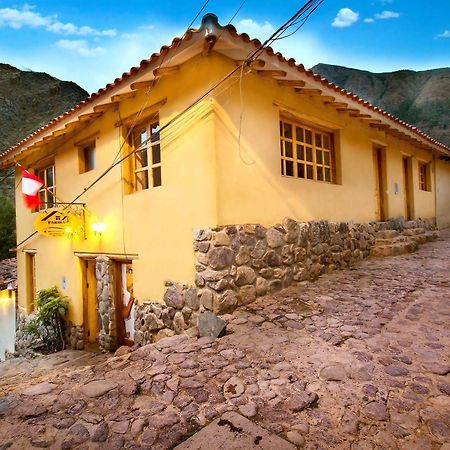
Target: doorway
{"points": [[407, 197], [90, 304], [124, 303], [380, 183]]}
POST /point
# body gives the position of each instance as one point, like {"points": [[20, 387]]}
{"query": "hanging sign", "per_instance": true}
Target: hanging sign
{"points": [[59, 223]]}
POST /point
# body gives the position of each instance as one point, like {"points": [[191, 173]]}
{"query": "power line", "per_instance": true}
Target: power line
{"points": [[251, 57]]}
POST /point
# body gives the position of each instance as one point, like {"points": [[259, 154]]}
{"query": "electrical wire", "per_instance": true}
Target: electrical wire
{"points": [[250, 58]]}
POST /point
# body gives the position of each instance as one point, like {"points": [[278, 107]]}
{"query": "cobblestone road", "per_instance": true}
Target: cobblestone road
{"points": [[357, 360]]}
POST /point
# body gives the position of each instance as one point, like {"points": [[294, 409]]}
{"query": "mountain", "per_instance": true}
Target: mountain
{"points": [[28, 100], [419, 98]]}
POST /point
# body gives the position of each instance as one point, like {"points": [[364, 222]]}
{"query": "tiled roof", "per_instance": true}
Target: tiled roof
{"points": [[210, 20]]}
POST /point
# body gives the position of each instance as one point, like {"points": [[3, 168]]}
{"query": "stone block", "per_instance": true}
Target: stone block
{"points": [[173, 298], [211, 325], [246, 295], [220, 257], [245, 275], [225, 303]]}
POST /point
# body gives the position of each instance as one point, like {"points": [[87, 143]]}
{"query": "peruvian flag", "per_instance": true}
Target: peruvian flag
{"points": [[30, 188]]}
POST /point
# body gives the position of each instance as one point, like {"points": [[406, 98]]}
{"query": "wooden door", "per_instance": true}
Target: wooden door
{"points": [[407, 187], [90, 303], [30, 264], [380, 206], [124, 303]]}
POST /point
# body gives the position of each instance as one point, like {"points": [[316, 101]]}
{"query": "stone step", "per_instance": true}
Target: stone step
{"points": [[413, 231], [387, 234], [391, 241], [399, 248]]}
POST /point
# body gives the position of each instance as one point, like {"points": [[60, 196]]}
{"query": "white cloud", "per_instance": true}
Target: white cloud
{"points": [[445, 34], [369, 20], [26, 17], [79, 46], [387, 15], [345, 18], [255, 29]]}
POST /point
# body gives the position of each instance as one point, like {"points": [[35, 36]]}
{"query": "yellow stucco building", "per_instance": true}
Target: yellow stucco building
{"points": [[187, 150]]}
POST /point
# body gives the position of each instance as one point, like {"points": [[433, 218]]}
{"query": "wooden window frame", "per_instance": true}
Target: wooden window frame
{"points": [[82, 156], [306, 149], [424, 176], [44, 194], [150, 151]]}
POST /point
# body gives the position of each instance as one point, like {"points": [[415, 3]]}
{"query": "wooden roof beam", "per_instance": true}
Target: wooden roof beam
{"points": [[306, 91], [327, 98], [256, 64], [336, 104], [272, 73], [208, 45], [164, 71], [124, 96], [137, 85], [105, 107], [89, 116], [291, 83], [380, 126]]}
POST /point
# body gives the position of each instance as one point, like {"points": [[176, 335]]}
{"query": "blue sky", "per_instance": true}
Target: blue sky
{"points": [[93, 42]]}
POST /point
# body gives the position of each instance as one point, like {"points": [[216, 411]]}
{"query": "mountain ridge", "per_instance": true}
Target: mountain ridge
{"points": [[421, 98]]}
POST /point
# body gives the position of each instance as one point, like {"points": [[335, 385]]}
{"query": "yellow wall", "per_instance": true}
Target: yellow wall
{"points": [[443, 193], [208, 179], [251, 188]]}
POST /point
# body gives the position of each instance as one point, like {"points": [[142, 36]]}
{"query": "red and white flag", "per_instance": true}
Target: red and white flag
{"points": [[30, 189]]}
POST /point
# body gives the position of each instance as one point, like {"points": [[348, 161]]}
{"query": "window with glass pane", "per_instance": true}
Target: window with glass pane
{"points": [[147, 156], [47, 193], [424, 177], [306, 152]]}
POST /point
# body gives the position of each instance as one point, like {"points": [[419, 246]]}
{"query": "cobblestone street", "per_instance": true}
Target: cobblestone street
{"points": [[359, 359]]}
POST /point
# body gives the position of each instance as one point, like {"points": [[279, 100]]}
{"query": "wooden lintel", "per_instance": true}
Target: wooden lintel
{"points": [[142, 85], [337, 104], [306, 91], [146, 113], [163, 71], [272, 73], [89, 116], [104, 107], [256, 64], [291, 83], [124, 96]]}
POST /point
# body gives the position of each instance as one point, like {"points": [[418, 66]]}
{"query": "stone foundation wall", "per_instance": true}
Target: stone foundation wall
{"points": [[237, 264]]}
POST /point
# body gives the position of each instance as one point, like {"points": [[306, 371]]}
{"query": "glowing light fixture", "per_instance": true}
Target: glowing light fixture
{"points": [[98, 228]]}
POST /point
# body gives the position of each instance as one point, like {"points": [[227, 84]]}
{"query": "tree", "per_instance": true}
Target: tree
{"points": [[7, 226]]}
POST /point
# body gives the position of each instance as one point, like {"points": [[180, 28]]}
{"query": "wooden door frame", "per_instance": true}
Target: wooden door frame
{"points": [[408, 200], [379, 160], [118, 306]]}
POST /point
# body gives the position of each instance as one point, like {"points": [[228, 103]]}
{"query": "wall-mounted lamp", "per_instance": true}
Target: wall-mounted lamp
{"points": [[98, 228]]}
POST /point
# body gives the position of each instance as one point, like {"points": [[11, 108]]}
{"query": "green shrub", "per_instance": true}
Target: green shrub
{"points": [[49, 325]]}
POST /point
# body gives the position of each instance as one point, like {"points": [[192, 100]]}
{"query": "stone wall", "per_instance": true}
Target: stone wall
{"points": [[104, 273], [237, 264], [74, 336]]}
